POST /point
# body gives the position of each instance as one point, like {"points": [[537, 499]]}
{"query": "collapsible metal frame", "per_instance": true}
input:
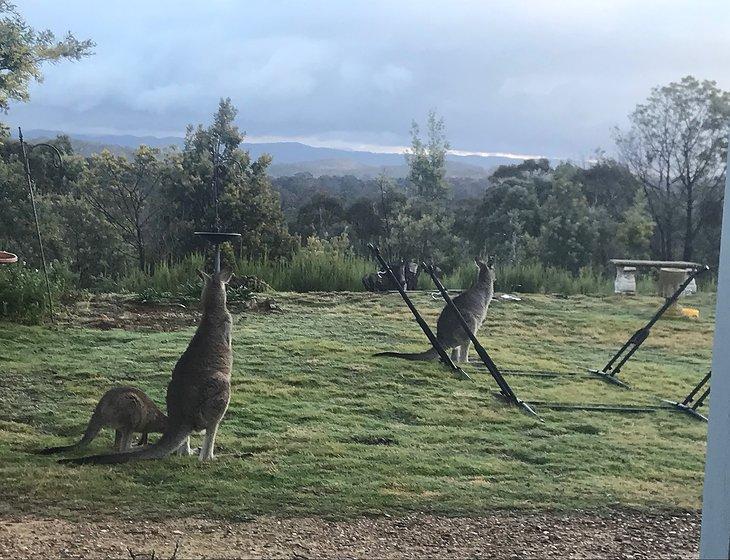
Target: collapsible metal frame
{"points": [[443, 355], [505, 390], [610, 371], [691, 409], [617, 361], [506, 393]]}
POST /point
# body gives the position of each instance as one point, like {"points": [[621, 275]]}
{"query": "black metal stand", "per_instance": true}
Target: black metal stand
{"points": [[505, 390], [686, 406], [443, 355], [614, 365], [507, 394], [29, 181], [215, 238]]}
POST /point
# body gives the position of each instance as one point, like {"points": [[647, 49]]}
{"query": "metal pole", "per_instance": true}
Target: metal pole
{"points": [[610, 371], [715, 537], [445, 358], [217, 261], [686, 406], [29, 180], [690, 397], [216, 163]]}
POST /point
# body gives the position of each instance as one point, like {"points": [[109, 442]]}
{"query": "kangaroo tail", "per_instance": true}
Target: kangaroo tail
{"points": [[92, 430], [59, 449], [430, 354], [168, 443]]}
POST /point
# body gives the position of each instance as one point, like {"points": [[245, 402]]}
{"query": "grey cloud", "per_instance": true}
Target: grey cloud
{"points": [[532, 77]]}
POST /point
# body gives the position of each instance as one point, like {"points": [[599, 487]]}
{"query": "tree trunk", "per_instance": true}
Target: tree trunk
{"points": [[668, 241], [140, 257], [140, 249], [688, 230]]}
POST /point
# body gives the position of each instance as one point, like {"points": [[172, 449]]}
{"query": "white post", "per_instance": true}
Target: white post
{"points": [[715, 540]]}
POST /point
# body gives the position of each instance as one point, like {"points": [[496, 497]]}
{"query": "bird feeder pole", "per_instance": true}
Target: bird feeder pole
{"points": [[24, 148], [216, 237]]}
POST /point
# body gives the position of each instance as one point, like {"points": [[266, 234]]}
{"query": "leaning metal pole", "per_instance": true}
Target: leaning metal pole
{"points": [[505, 390], [445, 359], [687, 405], [617, 361], [29, 181]]}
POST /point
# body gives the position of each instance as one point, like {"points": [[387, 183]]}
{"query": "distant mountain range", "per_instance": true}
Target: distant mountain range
{"points": [[290, 158]]}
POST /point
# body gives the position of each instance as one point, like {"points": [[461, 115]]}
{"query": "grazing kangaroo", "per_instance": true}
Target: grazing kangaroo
{"points": [[200, 387], [127, 410], [473, 305], [380, 281]]}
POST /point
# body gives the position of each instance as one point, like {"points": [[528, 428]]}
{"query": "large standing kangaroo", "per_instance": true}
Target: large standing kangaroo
{"points": [[127, 410], [200, 387], [473, 305]]}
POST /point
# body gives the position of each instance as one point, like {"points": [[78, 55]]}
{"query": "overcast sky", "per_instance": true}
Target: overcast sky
{"points": [[532, 77]]}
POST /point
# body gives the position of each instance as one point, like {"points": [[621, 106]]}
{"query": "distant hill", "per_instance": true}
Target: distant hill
{"points": [[345, 166], [289, 158]]}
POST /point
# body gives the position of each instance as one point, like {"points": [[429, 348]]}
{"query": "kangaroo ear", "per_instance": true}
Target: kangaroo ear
{"points": [[225, 275], [203, 276]]}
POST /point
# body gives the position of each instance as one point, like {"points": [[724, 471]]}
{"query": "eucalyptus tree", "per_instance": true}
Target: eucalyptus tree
{"points": [[121, 191], [247, 202], [24, 50], [676, 146]]}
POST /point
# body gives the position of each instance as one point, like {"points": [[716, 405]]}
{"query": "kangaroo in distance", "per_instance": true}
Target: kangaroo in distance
{"points": [[473, 305], [381, 281], [199, 390], [407, 274], [127, 410]]}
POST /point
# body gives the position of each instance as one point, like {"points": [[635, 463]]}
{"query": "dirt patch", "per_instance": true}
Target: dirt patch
{"points": [[116, 311], [499, 535]]}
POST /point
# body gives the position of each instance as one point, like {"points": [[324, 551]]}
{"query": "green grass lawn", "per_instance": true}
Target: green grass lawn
{"points": [[319, 426]]}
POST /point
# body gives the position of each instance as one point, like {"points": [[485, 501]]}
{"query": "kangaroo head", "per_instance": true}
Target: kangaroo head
{"points": [[486, 269], [214, 289]]}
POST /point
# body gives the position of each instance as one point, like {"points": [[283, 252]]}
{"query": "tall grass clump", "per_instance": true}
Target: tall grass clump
{"points": [[322, 265], [326, 265], [23, 295], [164, 277]]}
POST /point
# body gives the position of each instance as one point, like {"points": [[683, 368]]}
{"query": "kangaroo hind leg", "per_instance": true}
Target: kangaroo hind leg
{"points": [[126, 440], [206, 452], [455, 353], [464, 352], [117, 440], [184, 448]]}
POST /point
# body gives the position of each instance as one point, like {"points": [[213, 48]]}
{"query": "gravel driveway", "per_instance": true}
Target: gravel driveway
{"points": [[619, 534]]}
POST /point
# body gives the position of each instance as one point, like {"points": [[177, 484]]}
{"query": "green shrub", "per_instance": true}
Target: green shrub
{"points": [[23, 295], [164, 277], [321, 265], [330, 265]]}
